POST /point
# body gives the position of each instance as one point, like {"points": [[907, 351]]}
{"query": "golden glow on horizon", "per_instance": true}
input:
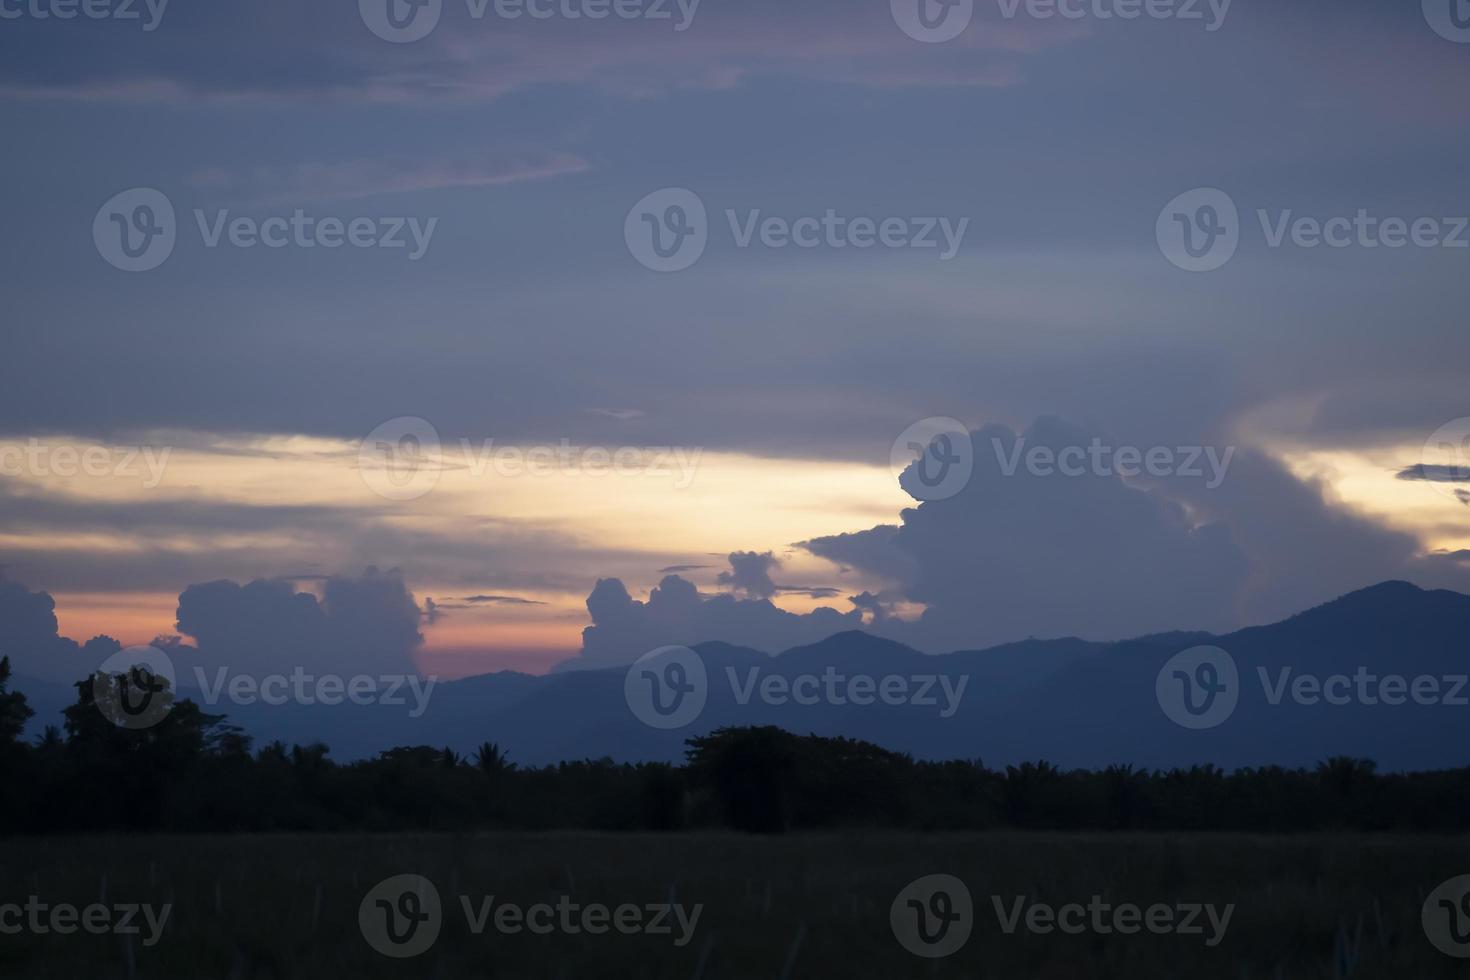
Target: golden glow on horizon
{"points": [[1368, 483], [692, 509], [131, 618]]}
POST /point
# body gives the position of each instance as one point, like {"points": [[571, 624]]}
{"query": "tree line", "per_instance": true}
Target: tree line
{"points": [[194, 772]]}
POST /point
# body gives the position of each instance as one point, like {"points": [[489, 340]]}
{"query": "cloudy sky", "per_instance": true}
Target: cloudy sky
{"points": [[294, 291]]}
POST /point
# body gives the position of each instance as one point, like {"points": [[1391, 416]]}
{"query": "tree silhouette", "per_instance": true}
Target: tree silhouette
{"points": [[14, 712], [750, 771], [192, 771], [492, 760]]}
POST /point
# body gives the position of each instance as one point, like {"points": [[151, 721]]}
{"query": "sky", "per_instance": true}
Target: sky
{"points": [[486, 301]]}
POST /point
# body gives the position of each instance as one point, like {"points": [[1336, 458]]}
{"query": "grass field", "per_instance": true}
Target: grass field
{"points": [[798, 906]]}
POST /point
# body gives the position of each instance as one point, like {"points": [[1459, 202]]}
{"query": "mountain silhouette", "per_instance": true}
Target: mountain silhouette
{"points": [[1072, 702]]}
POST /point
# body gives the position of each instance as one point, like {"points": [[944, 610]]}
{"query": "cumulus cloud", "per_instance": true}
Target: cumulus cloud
{"points": [[1104, 558], [1008, 557], [750, 573], [877, 606], [367, 624], [29, 637], [1305, 548], [873, 550], [1021, 552], [624, 628], [1043, 554]]}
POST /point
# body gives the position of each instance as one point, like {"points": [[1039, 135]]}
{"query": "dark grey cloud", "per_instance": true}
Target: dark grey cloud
{"points": [[1020, 554], [812, 591], [873, 550], [878, 605], [1435, 473], [1305, 548], [1455, 560], [364, 624], [29, 637], [750, 574], [624, 628]]}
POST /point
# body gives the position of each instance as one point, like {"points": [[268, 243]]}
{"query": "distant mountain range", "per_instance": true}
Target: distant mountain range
{"points": [[1072, 702]]}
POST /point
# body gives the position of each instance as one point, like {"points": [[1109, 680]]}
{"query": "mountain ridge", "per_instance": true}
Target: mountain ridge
{"points": [[1072, 701]]}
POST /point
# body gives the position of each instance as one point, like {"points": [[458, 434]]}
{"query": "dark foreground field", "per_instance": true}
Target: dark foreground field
{"points": [[795, 906]]}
